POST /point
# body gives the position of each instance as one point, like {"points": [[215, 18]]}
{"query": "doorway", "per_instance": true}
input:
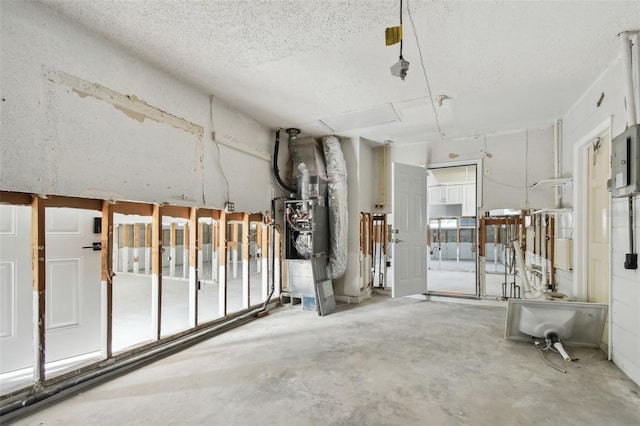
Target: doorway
{"points": [[597, 219], [452, 232]]}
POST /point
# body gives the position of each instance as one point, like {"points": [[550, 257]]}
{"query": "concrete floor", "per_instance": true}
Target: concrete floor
{"points": [[386, 361]]}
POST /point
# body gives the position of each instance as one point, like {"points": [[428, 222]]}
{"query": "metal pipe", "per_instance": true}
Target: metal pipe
{"points": [[116, 367], [625, 44], [631, 238]]}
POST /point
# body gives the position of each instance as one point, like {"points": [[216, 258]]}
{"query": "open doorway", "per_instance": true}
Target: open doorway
{"points": [[452, 232]]}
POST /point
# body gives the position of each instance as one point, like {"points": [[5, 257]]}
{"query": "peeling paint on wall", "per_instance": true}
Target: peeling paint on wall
{"points": [[130, 105]]}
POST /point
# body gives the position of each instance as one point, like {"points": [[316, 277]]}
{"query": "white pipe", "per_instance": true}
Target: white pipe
{"points": [[556, 173], [560, 349], [625, 44], [525, 278], [557, 164]]}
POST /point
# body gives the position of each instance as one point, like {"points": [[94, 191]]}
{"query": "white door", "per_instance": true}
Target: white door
{"points": [[16, 294], [72, 307], [409, 208], [598, 223]]}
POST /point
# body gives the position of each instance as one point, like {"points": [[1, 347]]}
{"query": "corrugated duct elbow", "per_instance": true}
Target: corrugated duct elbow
{"points": [[337, 206]]}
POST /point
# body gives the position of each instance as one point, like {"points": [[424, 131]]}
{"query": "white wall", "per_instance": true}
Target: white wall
{"points": [[56, 140], [511, 162], [367, 179], [578, 124]]}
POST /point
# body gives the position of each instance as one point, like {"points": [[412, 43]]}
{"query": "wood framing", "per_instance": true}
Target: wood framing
{"points": [[15, 198], [106, 258], [140, 209], [172, 249], [235, 216], [176, 211], [222, 260], [255, 217], [194, 236], [245, 244], [264, 259], [482, 236], [156, 271], [38, 260], [126, 230]]}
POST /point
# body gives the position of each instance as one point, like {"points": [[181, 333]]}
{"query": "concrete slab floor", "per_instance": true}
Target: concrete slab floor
{"points": [[386, 361]]}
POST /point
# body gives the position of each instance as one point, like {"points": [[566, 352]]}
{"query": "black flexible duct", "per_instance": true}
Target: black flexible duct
{"points": [[276, 172]]}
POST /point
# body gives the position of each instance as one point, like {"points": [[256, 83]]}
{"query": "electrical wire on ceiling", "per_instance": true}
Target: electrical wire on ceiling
{"points": [[213, 136], [401, 58], [424, 69]]}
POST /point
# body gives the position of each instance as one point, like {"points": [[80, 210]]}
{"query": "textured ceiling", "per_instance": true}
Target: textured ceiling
{"points": [[505, 65]]}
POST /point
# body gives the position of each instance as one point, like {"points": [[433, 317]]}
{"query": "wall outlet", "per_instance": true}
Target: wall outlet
{"points": [[229, 207]]}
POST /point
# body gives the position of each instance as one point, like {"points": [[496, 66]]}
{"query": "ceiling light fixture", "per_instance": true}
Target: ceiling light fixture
{"points": [[393, 35]]}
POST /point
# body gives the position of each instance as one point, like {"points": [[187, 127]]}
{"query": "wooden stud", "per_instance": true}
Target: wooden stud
{"points": [[38, 258], [172, 249], [233, 243], [73, 202], [124, 245], [384, 238], [156, 272], [136, 248], [147, 248], [482, 237], [194, 236], [264, 259], [362, 249], [245, 244], [106, 279], [126, 230], [222, 260]]}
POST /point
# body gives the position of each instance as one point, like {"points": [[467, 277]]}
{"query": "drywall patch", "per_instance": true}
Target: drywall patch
{"points": [[453, 155], [130, 105]]}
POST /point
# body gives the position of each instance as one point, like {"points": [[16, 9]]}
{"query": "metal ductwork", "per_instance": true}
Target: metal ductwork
{"points": [[337, 201], [315, 220]]}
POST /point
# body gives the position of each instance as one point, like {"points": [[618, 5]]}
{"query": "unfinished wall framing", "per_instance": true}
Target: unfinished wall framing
{"points": [[43, 382]]}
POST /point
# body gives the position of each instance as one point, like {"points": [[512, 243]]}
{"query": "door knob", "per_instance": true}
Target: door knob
{"points": [[94, 246]]}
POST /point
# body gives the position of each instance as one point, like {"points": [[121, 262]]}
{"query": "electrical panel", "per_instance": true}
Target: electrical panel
{"points": [[625, 163]]}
